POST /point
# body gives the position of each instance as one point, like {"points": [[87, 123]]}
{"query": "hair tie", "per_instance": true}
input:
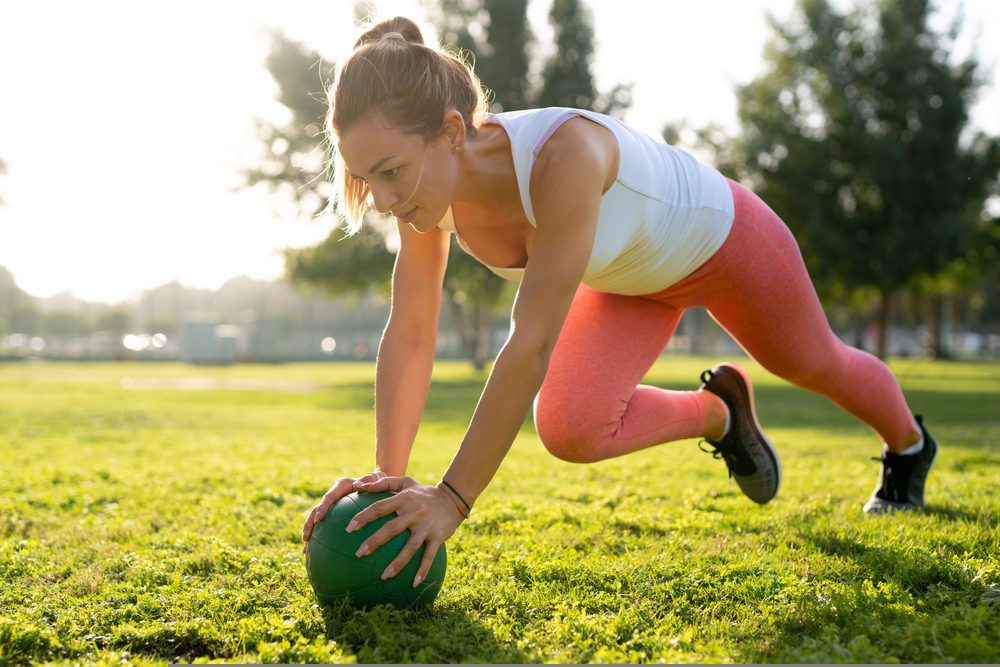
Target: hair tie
{"points": [[392, 35]]}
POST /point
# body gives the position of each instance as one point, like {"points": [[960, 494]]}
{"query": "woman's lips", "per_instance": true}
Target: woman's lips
{"points": [[408, 218]]}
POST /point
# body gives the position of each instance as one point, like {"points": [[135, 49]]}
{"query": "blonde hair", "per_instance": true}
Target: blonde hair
{"points": [[392, 74]]}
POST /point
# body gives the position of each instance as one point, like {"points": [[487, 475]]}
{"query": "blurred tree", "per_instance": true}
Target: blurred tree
{"points": [[567, 80], [498, 35], [344, 263], [116, 320], [64, 324], [10, 295], [23, 317], [858, 139], [294, 157]]}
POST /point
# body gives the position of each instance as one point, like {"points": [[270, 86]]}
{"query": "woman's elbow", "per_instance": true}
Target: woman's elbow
{"points": [[535, 349]]}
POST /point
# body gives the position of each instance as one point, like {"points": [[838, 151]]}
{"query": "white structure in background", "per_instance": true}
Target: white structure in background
{"points": [[204, 341], [265, 339], [226, 339]]}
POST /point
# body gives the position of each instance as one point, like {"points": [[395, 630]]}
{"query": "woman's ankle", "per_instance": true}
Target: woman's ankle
{"points": [[716, 416], [912, 438]]}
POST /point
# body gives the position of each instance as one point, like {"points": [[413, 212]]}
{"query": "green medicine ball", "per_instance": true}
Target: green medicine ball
{"points": [[336, 573]]}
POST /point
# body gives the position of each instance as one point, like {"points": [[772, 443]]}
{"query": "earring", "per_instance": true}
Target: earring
{"points": [[457, 146]]}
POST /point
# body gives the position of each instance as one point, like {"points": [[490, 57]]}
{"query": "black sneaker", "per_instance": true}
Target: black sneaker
{"points": [[901, 479], [747, 451]]}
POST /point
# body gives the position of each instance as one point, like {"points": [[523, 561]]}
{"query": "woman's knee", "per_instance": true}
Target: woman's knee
{"points": [[567, 436]]}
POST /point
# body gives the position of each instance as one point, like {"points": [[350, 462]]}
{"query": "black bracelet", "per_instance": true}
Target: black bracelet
{"points": [[457, 494]]}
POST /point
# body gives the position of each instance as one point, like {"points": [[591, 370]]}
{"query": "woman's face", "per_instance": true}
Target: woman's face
{"points": [[408, 176]]}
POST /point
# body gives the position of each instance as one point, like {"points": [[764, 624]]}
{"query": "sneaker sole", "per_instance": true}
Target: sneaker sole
{"points": [[879, 507], [748, 396]]}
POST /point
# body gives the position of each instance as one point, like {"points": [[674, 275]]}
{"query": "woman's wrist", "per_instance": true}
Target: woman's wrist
{"points": [[459, 503]]}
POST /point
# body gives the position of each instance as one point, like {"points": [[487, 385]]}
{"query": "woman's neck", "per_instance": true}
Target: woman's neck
{"points": [[486, 174]]}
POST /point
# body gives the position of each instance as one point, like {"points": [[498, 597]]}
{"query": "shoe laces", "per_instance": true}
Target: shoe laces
{"points": [[719, 453]]}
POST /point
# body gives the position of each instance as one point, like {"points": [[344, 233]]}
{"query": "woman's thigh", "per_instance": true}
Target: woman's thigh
{"points": [[608, 343], [757, 288]]}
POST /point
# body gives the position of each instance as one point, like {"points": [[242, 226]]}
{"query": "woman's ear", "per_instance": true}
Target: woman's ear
{"points": [[454, 130]]}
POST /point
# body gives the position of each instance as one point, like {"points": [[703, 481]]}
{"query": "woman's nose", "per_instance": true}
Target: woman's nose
{"points": [[384, 199]]}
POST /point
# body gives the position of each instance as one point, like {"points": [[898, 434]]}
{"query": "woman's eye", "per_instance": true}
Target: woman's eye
{"points": [[391, 173]]}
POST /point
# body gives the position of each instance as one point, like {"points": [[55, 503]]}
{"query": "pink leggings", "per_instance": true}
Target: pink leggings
{"points": [[591, 407]]}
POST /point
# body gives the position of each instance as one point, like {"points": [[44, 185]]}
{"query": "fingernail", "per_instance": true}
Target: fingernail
{"points": [[388, 573], [352, 525], [416, 582], [362, 551]]}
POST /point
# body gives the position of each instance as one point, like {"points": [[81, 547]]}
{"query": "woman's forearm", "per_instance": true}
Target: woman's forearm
{"points": [[402, 379], [515, 379]]}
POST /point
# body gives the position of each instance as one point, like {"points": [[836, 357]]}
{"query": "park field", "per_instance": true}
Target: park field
{"points": [[151, 513]]}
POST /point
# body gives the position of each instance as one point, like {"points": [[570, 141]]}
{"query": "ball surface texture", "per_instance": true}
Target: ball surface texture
{"points": [[336, 573]]}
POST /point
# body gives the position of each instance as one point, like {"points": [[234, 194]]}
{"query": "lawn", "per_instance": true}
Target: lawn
{"points": [[151, 513]]}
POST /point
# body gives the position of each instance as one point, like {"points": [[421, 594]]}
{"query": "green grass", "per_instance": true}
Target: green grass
{"points": [[158, 524]]}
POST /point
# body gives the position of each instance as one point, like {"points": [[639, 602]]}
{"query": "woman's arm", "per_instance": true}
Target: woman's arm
{"points": [[405, 359], [566, 186], [406, 353]]}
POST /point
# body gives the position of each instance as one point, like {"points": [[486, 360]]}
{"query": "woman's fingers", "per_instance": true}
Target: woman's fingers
{"points": [[425, 563], [425, 511], [344, 486], [404, 556], [389, 530], [377, 510], [393, 484]]}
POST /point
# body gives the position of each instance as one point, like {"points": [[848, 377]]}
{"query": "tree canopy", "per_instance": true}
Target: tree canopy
{"points": [[294, 153], [858, 138]]}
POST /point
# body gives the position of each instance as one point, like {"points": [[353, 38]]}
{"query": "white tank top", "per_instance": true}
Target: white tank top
{"points": [[665, 215]]}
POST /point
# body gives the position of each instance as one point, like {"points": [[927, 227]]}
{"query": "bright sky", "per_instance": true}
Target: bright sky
{"points": [[123, 123]]}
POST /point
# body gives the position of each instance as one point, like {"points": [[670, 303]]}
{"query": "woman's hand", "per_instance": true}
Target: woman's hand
{"points": [[343, 487], [430, 514]]}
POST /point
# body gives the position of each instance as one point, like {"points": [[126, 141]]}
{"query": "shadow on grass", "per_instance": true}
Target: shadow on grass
{"points": [[436, 634], [881, 613]]}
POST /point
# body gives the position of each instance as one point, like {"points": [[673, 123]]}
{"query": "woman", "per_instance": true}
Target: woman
{"points": [[612, 236]]}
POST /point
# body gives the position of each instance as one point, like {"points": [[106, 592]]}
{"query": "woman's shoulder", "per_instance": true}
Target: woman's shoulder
{"points": [[577, 146], [528, 128]]}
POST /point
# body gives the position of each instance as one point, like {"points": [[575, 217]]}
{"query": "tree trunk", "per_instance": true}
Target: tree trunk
{"points": [[935, 321], [478, 359], [942, 318], [466, 332], [476, 335], [883, 322], [484, 333]]}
